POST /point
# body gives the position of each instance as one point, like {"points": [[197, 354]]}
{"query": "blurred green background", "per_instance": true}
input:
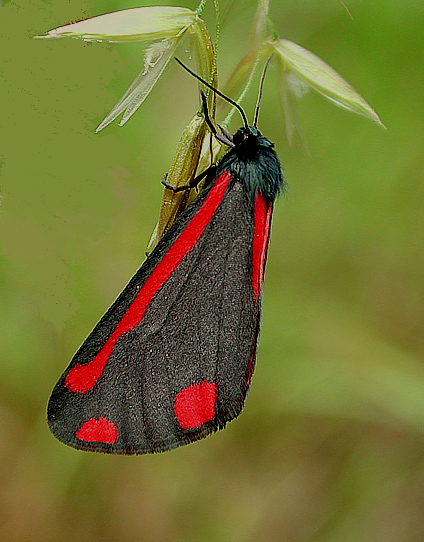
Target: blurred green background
{"points": [[330, 446]]}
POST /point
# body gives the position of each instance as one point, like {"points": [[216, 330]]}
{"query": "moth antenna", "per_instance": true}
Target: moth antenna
{"points": [[223, 139], [261, 86], [229, 100]]}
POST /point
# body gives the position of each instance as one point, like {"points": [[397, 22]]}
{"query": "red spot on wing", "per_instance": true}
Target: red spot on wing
{"points": [[195, 404], [82, 378], [97, 430], [262, 212]]}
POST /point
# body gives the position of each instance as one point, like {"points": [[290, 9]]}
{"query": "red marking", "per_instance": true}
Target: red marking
{"points": [[250, 365], [195, 404], [262, 218], [82, 378], [97, 430]]}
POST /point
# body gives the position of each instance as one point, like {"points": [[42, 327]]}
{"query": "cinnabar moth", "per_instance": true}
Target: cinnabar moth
{"points": [[171, 360]]}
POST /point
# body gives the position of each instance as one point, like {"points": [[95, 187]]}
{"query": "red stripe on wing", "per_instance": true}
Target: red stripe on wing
{"points": [[82, 378], [262, 218]]}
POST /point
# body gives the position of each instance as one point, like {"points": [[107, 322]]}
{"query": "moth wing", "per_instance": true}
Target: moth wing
{"points": [[183, 370]]}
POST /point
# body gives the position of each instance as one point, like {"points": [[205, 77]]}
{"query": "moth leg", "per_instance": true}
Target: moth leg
{"points": [[226, 133], [226, 139], [211, 151], [192, 184]]}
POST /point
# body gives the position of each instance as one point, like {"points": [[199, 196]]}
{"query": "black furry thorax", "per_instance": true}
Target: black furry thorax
{"points": [[254, 163]]}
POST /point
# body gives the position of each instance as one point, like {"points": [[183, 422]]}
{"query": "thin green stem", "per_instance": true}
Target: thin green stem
{"points": [[200, 7], [217, 29], [214, 67], [228, 118], [272, 29]]}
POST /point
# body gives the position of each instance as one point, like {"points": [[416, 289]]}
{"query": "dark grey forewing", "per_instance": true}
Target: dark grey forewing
{"points": [[201, 325]]}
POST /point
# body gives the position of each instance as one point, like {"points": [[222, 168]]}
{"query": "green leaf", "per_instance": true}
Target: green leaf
{"points": [[137, 24], [156, 59], [321, 77]]}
